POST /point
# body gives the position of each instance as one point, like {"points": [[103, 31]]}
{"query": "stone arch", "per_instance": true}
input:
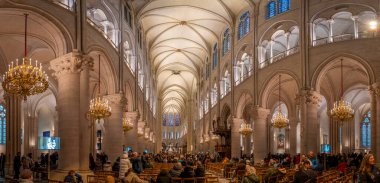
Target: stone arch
{"points": [[129, 95], [290, 85], [108, 75], [244, 100], [324, 67], [225, 118]]}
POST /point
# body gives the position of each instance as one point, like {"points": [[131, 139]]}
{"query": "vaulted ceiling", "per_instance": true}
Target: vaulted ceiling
{"points": [[180, 35]]}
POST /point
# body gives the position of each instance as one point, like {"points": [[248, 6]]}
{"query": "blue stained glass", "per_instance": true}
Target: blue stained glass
{"points": [[244, 24], [3, 123], [366, 131], [215, 56], [170, 119], [271, 9], [283, 5], [226, 41], [177, 121], [163, 120]]}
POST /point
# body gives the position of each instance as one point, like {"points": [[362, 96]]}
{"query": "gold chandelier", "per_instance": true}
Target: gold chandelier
{"points": [[127, 124], [280, 120], [342, 109], [99, 106], [25, 79], [214, 137], [245, 129]]}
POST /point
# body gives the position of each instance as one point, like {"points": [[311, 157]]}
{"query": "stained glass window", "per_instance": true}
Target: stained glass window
{"points": [[164, 120], [177, 121], [171, 119], [283, 5], [271, 9], [3, 124], [244, 24], [226, 41], [366, 130], [215, 56]]}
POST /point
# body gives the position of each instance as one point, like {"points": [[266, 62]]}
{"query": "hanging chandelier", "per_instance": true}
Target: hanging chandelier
{"points": [[280, 120], [342, 109], [245, 129], [99, 106], [214, 137], [127, 124], [24, 79]]}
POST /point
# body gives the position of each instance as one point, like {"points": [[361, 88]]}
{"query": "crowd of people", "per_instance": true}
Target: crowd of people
{"points": [[130, 164]]}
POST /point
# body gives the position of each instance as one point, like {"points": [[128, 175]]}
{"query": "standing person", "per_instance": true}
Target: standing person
{"points": [[125, 165], [29, 160], [17, 165], [368, 172], [92, 162], [2, 165]]}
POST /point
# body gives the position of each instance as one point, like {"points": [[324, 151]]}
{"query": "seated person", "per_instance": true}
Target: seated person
{"points": [[187, 172], [305, 173], [131, 177], [164, 177], [199, 171], [176, 170], [73, 177]]}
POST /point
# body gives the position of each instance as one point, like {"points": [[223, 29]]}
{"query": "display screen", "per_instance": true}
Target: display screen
{"points": [[325, 148], [49, 143], [127, 149]]}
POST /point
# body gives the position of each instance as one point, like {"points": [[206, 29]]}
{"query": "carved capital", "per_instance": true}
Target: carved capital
{"points": [[116, 99], [70, 63], [260, 113], [374, 90], [311, 97]]}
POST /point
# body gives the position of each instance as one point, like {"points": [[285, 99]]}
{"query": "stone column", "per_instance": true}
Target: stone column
{"points": [[130, 136], [85, 124], [287, 37], [331, 33], [271, 51], [309, 121], [113, 139], [375, 117], [356, 27], [67, 70], [293, 136], [260, 129], [13, 123], [235, 137], [140, 136]]}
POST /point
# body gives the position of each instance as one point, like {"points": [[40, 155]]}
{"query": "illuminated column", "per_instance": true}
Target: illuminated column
{"points": [[130, 136], [67, 70], [331, 33], [310, 101], [235, 137], [140, 136], [356, 26], [260, 129], [13, 128], [113, 138], [85, 131]]}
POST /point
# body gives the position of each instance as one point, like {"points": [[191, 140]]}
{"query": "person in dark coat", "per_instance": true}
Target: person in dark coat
{"points": [[2, 165], [92, 162], [164, 177], [305, 173], [176, 170], [136, 163], [199, 171], [17, 165], [368, 172], [187, 172]]}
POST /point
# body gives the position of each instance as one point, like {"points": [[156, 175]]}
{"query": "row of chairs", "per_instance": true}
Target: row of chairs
{"points": [[216, 168], [207, 179]]}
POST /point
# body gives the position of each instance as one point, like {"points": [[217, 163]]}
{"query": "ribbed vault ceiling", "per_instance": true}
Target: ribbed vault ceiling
{"points": [[180, 35]]}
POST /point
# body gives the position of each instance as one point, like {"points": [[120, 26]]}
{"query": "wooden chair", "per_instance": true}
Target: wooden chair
{"points": [[189, 180], [176, 180], [201, 179], [212, 179], [96, 179], [55, 181]]}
